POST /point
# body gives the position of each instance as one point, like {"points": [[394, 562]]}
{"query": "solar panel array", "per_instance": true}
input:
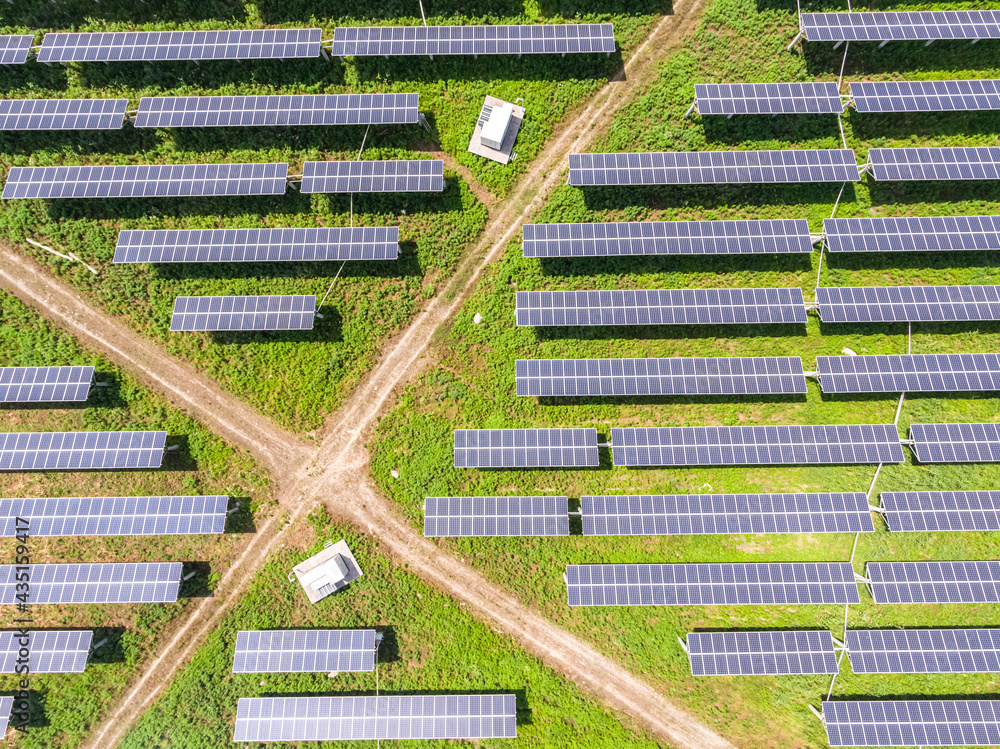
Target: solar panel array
{"points": [[301, 651], [667, 238], [713, 167], [145, 181], [319, 243], [526, 448], [62, 114], [45, 384], [679, 376], [912, 722], [334, 718], [934, 163], [156, 582], [474, 40], [711, 584], [49, 652], [80, 451], [114, 516], [756, 653], [956, 443], [229, 313], [918, 25], [942, 511], [762, 445], [6, 705], [918, 234], [768, 98], [242, 44], [496, 516], [925, 96], [699, 514], [934, 582], [416, 175], [909, 373], [660, 307], [908, 303], [258, 111], [14, 48], [924, 651]]}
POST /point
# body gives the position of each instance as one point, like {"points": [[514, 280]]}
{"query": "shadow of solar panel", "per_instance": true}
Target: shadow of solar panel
{"points": [[533, 39], [222, 313], [149, 46], [145, 181], [257, 245], [934, 582], [526, 448], [62, 114], [299, 651], [156, 582], [768, 98], [922, 722], [703, 514], [80, 451], [917, 234], [909, 373], [925, 96], [417, 175], [14, 48], [49, 651], [773, 584], [908, 303], [764, 445], [680, 376], [336, 718], [924, 651], [756, 653], [660, 307], [918, 25], [45, 384], [942, 511], [713, 167], [667, 238], [496, 516], [956, 443], [115, 516], [900, 164]]}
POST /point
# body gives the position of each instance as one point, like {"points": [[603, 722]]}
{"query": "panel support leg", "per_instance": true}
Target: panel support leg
{"points": [[883, 43], [795, 41], [837, 45], [690, 110]]}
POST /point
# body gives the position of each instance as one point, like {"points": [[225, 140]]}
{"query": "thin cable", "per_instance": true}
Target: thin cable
{"points": [[899, 408], [822, 249], [843, 138], [834, 679], [874, 479], [331, 285], [847, 46], [854, 550], [363, 141], [909, 338]]}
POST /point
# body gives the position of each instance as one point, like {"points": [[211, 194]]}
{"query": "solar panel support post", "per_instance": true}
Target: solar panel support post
{"points": [[883, 43], [691, 109], [683, 646], [796, 41], [816, 712]]}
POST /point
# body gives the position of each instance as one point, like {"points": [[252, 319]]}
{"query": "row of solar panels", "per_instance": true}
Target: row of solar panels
{"points": [[80, 451], [113, 516], [153, 582], [927, 26]]}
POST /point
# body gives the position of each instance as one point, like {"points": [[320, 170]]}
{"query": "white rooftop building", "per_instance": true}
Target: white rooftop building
{"points": [[327, 572]]}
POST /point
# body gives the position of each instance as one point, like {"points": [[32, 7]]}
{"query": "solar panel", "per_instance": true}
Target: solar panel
{"points": [[417, 175], [917, 25], [45, 384], [703, 514], [925, 96], [762, 445], [755, 653], [772, 584], [895, 164], [14, 50], [918, 234], [336, 718], [680, 376], [924, 651], [135, 46], [713, 167], [145, 181], [80, 451], [534, 39], [6, 705], [49, 652], [496, 516], [157, 582], [254, 111], [912, 722], [114, 516], [909, 373], [934, 582], [908, 303], [257, 245], [768, 98], [660, 307], [667, 238], [62, 114], [302, 651], [526, 448], [220, 313], [942, 511], [956, 443]]}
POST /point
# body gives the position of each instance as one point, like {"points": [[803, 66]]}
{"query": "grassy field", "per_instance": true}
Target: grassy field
{"points": [[66, 705], [736, 41]]}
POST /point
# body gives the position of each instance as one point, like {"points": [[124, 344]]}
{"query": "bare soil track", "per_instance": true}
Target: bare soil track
{"points": [[335, 473]]}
